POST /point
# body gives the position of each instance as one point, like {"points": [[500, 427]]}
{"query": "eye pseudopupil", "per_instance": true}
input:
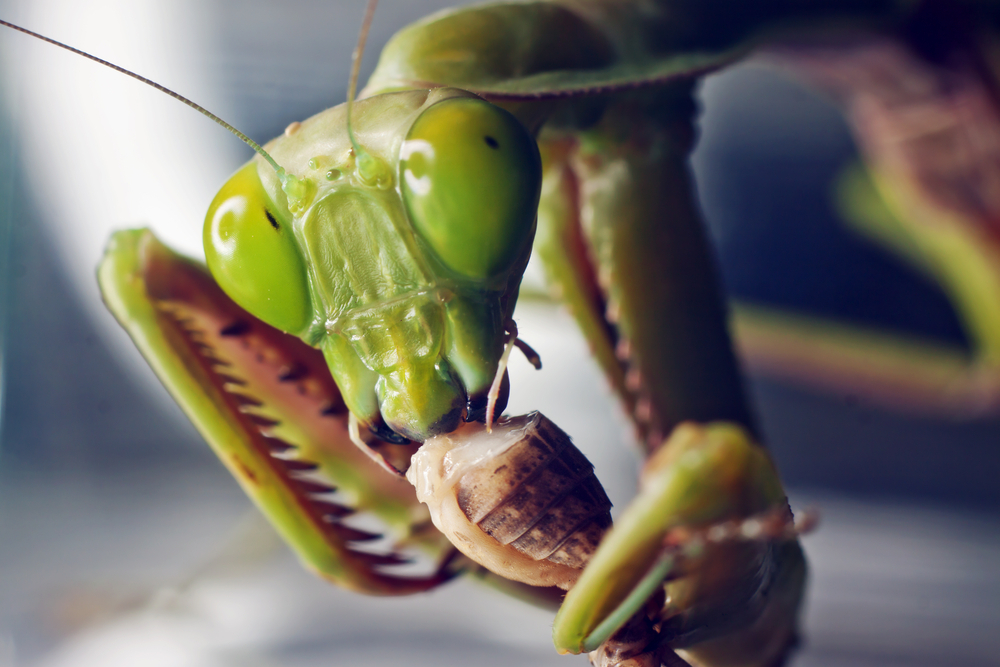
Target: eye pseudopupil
{"points": [[491, 142], [270, 218]]}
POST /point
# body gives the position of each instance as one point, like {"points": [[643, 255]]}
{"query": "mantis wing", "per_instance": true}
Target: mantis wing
{"points": [[506, 51]]}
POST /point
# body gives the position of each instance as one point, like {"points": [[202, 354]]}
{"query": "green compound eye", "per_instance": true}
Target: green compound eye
{"points": [[253, 256], [471, 177]]}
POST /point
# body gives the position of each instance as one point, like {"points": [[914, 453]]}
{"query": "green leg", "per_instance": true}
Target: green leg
{"points": [[622, 238], [645, 290]]}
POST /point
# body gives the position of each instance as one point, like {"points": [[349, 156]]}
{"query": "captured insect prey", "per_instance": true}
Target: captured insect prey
{"points": [[521, 500]]}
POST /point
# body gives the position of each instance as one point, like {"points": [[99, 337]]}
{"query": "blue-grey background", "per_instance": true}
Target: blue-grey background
{"points": [[122, 540]]}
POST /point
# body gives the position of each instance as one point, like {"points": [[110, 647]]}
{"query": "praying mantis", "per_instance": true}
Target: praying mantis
{"points": [[595, 134]]}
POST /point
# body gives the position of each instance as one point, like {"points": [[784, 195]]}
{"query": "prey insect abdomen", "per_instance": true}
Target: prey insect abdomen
{"points": [[522, 501], [541, 497]]}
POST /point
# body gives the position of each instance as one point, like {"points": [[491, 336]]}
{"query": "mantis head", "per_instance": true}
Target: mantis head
{"points": [[401, 262], [395, 244]]}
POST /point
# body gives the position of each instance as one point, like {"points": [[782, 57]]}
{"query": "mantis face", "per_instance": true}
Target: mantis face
{"points": [[401, 263]]}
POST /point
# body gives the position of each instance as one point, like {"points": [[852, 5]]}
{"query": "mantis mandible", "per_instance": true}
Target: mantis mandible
{"points": [[613, 114]]}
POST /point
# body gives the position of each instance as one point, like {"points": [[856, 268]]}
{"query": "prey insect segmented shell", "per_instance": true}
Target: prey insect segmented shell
{"points": [[522, 501]]}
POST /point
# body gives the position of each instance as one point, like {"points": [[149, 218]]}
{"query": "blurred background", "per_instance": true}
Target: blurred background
{"points": [[124, 542]]}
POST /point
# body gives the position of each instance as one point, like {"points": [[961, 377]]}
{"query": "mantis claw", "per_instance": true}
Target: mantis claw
{"points": [[266, 403], [711, 527]]}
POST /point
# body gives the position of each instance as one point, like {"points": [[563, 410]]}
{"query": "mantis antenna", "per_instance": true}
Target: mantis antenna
{"points": [[289, 183], [370, 168]]}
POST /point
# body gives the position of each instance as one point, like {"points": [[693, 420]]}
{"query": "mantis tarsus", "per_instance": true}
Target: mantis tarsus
{"points": [[653, 428]]}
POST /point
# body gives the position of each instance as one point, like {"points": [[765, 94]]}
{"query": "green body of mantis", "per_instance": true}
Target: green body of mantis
{"points": [[375, 281]]}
